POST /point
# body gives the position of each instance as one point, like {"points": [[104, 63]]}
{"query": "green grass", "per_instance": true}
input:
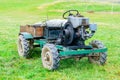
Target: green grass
{"points": [[14, 13]]}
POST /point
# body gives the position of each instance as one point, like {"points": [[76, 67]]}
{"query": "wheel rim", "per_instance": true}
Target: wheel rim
{"points": [[20, 47], [47, 58]]}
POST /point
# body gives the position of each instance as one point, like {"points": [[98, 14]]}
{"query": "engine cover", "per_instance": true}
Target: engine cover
{"points": [[78, 21], [56, 23], [54, 28]]}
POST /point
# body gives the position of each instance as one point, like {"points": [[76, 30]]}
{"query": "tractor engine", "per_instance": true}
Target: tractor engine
{"points": [[72, 31]]}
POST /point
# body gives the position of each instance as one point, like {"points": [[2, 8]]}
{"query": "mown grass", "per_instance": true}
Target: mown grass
{"points": [[14, 13]]}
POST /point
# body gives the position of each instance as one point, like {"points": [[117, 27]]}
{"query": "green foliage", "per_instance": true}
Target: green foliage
{"points": [[13, 13]]}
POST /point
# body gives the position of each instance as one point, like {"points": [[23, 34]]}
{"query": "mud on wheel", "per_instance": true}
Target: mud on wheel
{"points": [[24, 46], [98, 58], [50, 57]]}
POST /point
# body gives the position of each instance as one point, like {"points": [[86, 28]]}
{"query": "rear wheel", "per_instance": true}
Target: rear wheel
{"points": [[98, 58], [50, 57], [24, 46]]}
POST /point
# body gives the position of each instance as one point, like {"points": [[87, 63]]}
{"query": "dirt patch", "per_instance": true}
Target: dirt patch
{"points": [[92, 12], [109, 12], [49, 4], [56, 10]]}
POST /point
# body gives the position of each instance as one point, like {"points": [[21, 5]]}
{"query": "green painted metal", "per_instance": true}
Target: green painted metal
{"points": [[27, 35], [67, 52], [41, 42], [59, 47], [78, 52]]}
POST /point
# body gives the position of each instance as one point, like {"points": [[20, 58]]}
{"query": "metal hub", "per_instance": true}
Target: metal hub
{"points": [[47, 58], [96, 56], [20, 46]]}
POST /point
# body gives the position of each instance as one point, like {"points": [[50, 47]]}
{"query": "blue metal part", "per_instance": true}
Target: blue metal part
{"points": [[93, 27], [26, 35]]}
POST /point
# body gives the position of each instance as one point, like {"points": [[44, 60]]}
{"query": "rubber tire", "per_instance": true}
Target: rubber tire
{"points": [[102, 56], [24, 47], [53, 57]]}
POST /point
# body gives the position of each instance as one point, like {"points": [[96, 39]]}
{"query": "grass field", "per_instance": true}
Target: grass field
{"points": [[13, 13]]}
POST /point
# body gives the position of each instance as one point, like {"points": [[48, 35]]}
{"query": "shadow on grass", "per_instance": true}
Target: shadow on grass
{"points": [[35, 53], [71, 63]]}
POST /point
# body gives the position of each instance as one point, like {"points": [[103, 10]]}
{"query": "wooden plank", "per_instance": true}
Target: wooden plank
{"points": [[36, 31]]}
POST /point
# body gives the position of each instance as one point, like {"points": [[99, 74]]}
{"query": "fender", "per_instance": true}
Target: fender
{"points": [[26, 35]]}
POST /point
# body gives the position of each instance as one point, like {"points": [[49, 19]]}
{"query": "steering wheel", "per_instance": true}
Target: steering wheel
{"points": [[70, 13]]}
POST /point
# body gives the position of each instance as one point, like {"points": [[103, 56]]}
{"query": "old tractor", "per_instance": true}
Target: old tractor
{"points": [[59, 39]]}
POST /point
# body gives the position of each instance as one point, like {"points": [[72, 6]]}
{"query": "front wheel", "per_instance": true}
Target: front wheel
{"points": [[50, 57], [98, 58]]}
